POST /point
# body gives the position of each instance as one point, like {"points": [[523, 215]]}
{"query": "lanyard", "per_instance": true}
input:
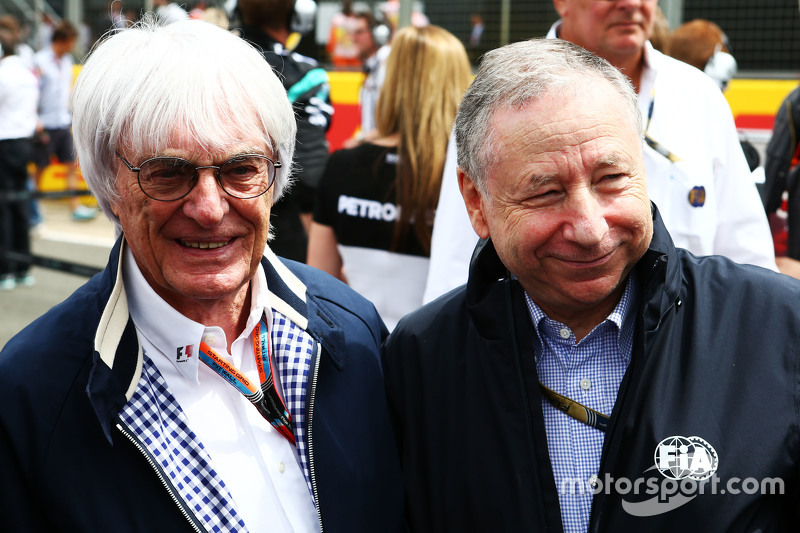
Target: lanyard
{"points": [[576, 410], [652, 143], [265, 397]]}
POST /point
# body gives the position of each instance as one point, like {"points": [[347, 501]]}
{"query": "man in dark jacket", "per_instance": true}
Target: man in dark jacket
{"points": [[590, 376], [268, 24], [782, 175], [198, 383]]}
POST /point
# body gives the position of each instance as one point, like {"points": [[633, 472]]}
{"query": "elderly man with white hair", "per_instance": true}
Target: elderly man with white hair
{"points": [[198, 383]]}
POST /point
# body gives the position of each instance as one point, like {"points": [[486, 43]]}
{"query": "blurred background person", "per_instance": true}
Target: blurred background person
{"points": [[781, 188], [475, 48], [53, 134], [704, 45], [391, 13], [169, 12], [269, 24], [22, 50], [341, 48], [18, 99], [374, 215], [44, 34], [371, 39]]}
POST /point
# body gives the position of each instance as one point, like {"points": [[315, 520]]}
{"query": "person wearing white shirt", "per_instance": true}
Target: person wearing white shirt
{"points": [[18, 97], [697, 174], [370, 38], [54, 66]]}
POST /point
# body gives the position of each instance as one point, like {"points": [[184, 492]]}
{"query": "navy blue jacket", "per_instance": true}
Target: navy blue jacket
{"points": [[716, 356], [65, 466]]}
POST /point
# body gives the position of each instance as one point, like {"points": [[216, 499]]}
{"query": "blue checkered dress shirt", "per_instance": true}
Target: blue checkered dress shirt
{"points": [[589, 372], [157, 420]]}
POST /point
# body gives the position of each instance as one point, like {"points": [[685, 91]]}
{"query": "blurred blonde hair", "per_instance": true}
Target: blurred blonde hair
{"points": [[427, 73]]}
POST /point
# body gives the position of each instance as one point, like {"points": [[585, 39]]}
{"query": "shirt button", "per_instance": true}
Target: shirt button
{"points": [[281, 467], [564, 333], [209, 339], [586, 384], [593, 482]]}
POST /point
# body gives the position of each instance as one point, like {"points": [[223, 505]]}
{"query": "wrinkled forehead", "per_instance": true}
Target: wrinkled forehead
{"points": [[563, 113]]}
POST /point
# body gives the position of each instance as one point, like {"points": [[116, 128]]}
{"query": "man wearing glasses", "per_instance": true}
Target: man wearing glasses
{"points": [[199, 382]]}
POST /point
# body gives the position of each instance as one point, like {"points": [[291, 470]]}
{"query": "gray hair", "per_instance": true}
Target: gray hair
{"points": [[512, 76], [141, 84]]}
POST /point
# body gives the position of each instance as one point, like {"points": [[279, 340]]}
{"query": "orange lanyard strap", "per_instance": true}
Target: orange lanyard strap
{"points": [[265, 397]]}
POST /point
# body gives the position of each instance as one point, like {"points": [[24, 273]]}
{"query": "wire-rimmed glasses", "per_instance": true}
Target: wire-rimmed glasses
{"points": [[242, 176]]}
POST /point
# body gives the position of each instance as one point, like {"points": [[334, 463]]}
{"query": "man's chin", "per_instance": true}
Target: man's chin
{"points": [[216, 286]]}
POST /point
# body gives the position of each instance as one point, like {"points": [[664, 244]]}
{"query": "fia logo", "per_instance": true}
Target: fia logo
{"points": [[686, 457], [184, 354]]}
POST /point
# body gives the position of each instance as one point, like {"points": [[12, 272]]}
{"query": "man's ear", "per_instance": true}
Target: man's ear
{"points": [[476, 205], [560, 5]]}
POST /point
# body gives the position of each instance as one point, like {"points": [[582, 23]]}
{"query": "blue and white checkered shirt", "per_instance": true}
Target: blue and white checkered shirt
{"points": [[589, 372], [175, 414]]}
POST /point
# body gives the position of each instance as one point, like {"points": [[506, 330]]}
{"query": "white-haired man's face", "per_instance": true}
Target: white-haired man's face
{"points": [[204, 247]]}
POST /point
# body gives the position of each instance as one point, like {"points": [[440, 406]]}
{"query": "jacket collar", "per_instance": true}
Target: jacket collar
{"points": [[117, 360], [290, 296], [657, 272], [659, 275]]}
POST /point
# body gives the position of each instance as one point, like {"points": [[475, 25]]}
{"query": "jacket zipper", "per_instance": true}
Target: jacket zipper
{"points": [[160, 473], [640, 345], [311, 397]]}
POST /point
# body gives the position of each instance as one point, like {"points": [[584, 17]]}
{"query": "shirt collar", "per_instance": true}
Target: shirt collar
{"points": [[174, 335], [622, 317]]}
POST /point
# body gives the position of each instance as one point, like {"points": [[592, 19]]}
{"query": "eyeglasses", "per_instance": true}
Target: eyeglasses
{"points": [[171, 178]]}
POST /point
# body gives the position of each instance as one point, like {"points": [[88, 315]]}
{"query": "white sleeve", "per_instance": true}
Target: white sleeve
{"points": [[743, 232], [453, 238]]}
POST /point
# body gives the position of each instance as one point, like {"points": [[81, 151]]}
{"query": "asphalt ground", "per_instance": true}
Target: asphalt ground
{"points": [[59, 237]]}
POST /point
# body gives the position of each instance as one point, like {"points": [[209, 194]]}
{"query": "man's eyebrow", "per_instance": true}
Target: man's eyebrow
{"points": [[614, 160], [539, 180]]}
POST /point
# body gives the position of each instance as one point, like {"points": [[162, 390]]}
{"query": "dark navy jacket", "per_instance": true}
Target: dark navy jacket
{"points": [[716, 362], [65, 466]]}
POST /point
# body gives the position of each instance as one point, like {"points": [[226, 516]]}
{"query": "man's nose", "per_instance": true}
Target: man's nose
{"points": [[586, 223], [207, 202]]}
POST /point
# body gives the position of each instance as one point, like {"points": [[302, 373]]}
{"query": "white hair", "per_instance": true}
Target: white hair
{"points": [[141, 84], [512, 76]]}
